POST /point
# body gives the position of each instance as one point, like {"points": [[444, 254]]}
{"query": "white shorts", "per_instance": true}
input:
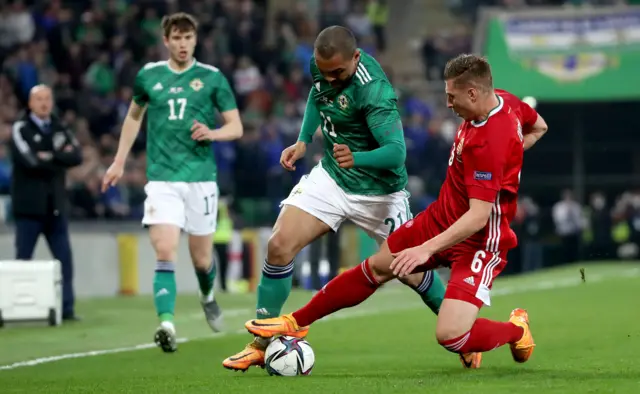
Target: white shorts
{"points": [[319, 195], [191, 206]]}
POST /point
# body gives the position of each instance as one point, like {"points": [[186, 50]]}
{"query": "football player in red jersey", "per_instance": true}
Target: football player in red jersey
{"points": [[466, 228]]}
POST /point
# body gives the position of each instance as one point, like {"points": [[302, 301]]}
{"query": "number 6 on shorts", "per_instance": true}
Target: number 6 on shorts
{"points": [[476, 264]]}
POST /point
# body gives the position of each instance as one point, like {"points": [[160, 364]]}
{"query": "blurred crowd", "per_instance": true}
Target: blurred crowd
{"points": [[90, 53]]}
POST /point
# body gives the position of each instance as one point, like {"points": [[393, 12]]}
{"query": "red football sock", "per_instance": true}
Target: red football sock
{"points": [[346, 290], [485, 335]]}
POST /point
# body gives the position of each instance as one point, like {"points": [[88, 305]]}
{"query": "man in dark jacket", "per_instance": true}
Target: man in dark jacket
{"points": [[42, 150]]}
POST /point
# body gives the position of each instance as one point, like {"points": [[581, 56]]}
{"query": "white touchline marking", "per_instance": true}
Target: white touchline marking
{"points": [[344, 314]]}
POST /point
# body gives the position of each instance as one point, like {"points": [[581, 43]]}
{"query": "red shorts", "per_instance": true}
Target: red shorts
{"points": [[473, 269]]}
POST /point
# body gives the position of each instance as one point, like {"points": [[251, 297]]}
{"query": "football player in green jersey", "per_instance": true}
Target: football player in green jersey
{"points": [[361, 177], [181, 96]]}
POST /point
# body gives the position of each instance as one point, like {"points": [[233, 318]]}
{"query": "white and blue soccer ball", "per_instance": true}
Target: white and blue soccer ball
{"points": [[289, 356]]}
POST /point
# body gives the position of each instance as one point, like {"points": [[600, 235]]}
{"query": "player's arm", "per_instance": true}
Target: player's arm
{"points": [[133, 120], [225, 102], [310, 121], [383, 119], [24, 150], [69, 154], [232, 128], [130, 130], [474, 220], [310, 124], [483, 173], [533, 127], [537, 130]]}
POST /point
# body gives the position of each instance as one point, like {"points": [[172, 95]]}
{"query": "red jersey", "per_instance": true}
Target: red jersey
{"points": [[524, 112], [485, 164]]}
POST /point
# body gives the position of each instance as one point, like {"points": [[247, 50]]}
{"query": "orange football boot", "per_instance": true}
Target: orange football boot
{"points": [[252, 355], [523, 348], [471, 360], [284, 325]]}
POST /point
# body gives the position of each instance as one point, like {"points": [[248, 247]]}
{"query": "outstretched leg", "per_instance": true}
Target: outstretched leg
{"points": [[346, 290], [459, 330], [293, 230]]}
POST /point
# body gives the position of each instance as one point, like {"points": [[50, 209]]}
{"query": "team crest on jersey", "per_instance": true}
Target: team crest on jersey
{"points": [[343, 102], [196, 84]]}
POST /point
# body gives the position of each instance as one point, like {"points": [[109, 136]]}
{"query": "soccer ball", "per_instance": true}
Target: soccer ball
{"points": [[289, 356]]}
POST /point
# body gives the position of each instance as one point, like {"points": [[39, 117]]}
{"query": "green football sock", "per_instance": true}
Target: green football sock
{"points": [[273, 290], [431, 290], [206, 278], [164, 288]]}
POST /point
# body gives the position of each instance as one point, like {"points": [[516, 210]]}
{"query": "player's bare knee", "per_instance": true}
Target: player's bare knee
{"points": [[380, 267], [201, 260], [280, 248], [164, 240], [201, 254], [165, 253], [165, 249], [447, 332], [456, 318], [201, 251], [413, 280]]}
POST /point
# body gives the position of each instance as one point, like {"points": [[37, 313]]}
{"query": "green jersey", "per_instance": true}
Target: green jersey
{"points": [[174, 100], [364, 116]]}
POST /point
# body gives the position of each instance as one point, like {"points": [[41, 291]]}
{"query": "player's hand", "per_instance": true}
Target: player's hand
{"points": [[406, 261], [200, 132], [112, 176], [292, 154], [343, 155]]}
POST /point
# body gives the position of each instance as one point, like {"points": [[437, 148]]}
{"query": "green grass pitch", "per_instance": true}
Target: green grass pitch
{"points": [[587, 335]]}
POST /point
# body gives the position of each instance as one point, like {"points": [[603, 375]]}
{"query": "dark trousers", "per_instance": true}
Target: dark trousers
{"points": [[532, 256], [221, 251], [381, 39], [332, 254], [571, 247], [56, 232]]}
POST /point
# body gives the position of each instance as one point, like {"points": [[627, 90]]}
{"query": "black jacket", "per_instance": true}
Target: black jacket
{"points": [[40, 161]]}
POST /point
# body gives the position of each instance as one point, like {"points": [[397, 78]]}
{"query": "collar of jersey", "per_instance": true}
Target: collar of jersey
{"points": [[494, 111], [183, 71], [332, 92]]}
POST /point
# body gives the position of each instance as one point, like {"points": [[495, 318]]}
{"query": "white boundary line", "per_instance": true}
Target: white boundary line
{"points": [[346, 314]]}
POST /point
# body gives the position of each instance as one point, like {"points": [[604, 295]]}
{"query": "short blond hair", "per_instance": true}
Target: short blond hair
{"points": [[469, 69]]}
